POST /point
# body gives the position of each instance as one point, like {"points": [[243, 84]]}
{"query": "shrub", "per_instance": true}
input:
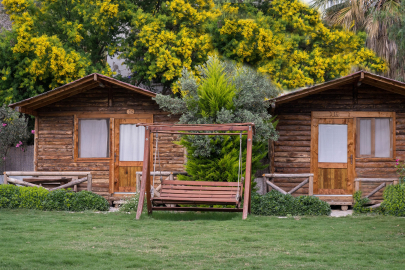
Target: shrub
{"points": [[274, 203], [313, 206], [42, 199], [86, 200], [360, 203], [55, 201], [6, 195], [131, 204], [394, 200]]}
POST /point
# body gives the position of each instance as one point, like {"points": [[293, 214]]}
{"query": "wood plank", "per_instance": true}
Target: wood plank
{"points": [[199, 183], [195, 200], [314, 151], [332, 165], [350, 114], [207, 209], [276, 187], [174, 187], [196, 192], [299, 186]]}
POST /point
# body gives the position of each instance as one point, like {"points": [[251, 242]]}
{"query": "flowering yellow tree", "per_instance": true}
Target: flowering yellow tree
{"points": [[167, 38], [54, 42], [282, 38], [288, 41]]}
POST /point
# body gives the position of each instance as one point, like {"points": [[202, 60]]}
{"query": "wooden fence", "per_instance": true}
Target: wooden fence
{"points": [[49, 180], [309, 180], [385, 182]]}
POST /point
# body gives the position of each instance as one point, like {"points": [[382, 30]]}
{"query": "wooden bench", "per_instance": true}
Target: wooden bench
{"points": [[198, 192]]}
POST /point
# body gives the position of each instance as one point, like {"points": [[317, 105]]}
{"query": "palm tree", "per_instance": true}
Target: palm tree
{"points": [[371, 17]]}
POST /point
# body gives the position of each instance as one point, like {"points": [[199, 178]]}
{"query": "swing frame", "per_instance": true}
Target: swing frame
{"points": [[244, 128]]}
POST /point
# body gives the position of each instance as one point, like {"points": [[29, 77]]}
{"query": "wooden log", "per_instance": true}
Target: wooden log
{"points": [[356, 186], [19, 182], [246, 202], [375, 179], [145, 175], [26, 173], [72, 183], [375, 205], [209, 209], [89, 182], [299, 186], [311, 185], [375, 190], [276, 187], [5, 181], [279, 175]]}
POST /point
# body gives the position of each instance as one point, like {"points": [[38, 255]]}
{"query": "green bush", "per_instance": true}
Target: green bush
{"points": [[42, 199], [360, 203], [394, 200], [276, 204], [86, 200], [131, 204], [7, 193]]}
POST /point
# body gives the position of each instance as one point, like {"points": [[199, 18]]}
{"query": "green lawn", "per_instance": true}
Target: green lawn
{"points": [[60, 240]]}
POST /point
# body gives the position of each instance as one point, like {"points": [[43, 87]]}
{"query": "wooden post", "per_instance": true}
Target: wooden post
{"points": [[246, 202], [356, 185], [5, 178], [138, 182], [171, 177], [89, 182], [145, 174], [311, 186], [36, 130]]}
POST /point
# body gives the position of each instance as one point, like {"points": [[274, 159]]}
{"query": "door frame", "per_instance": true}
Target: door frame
{"points": [[114, 162], [350, 151]]}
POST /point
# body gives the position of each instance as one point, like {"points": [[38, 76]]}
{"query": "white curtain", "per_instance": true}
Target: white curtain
{"points": [[93, 141], [382, 137], [132, 142], [332, 143], [365, 137]]}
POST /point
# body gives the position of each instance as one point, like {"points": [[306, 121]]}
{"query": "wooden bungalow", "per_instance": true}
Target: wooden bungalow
{"points": [[347, 132], [89, 125]]}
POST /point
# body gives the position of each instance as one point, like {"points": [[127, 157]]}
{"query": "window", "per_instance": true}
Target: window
{"points": [[132, 142], [374, 137], [94, 138], [332, 143]]}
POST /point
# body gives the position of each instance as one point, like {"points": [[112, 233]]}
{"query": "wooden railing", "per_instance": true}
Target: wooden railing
{"points": [[309, 180], [386, 181], [49, 178]]}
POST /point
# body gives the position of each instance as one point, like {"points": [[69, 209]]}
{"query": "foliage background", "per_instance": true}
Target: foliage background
{"points": [[222, 92], [13, 131]]}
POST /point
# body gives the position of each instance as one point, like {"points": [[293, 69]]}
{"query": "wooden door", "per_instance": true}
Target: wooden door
{"points": [[332, 156], [128, 152]]}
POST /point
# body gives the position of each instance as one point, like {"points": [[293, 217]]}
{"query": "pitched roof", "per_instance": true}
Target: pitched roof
{"points": [[360, 76], [30, 105]]}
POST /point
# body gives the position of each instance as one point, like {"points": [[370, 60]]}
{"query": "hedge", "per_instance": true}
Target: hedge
{"points": [[276, 204], [40, 198], [394, 200]]}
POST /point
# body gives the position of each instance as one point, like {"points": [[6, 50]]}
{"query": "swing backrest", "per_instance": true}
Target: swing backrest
{"points": [[203, 192]]}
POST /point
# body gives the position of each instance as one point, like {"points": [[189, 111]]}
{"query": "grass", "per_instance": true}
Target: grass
{"points": [[60, 240]]}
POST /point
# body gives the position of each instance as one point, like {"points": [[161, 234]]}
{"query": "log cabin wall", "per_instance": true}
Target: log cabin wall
{"points": [[55, 133], [292, 150]]}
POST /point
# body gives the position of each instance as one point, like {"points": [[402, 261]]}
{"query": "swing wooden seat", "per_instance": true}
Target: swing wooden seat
{"points": [[174, 192], [199, 192]]}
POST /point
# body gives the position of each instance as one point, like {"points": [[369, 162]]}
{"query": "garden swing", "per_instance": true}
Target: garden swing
{"points": [[197, 192]]}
